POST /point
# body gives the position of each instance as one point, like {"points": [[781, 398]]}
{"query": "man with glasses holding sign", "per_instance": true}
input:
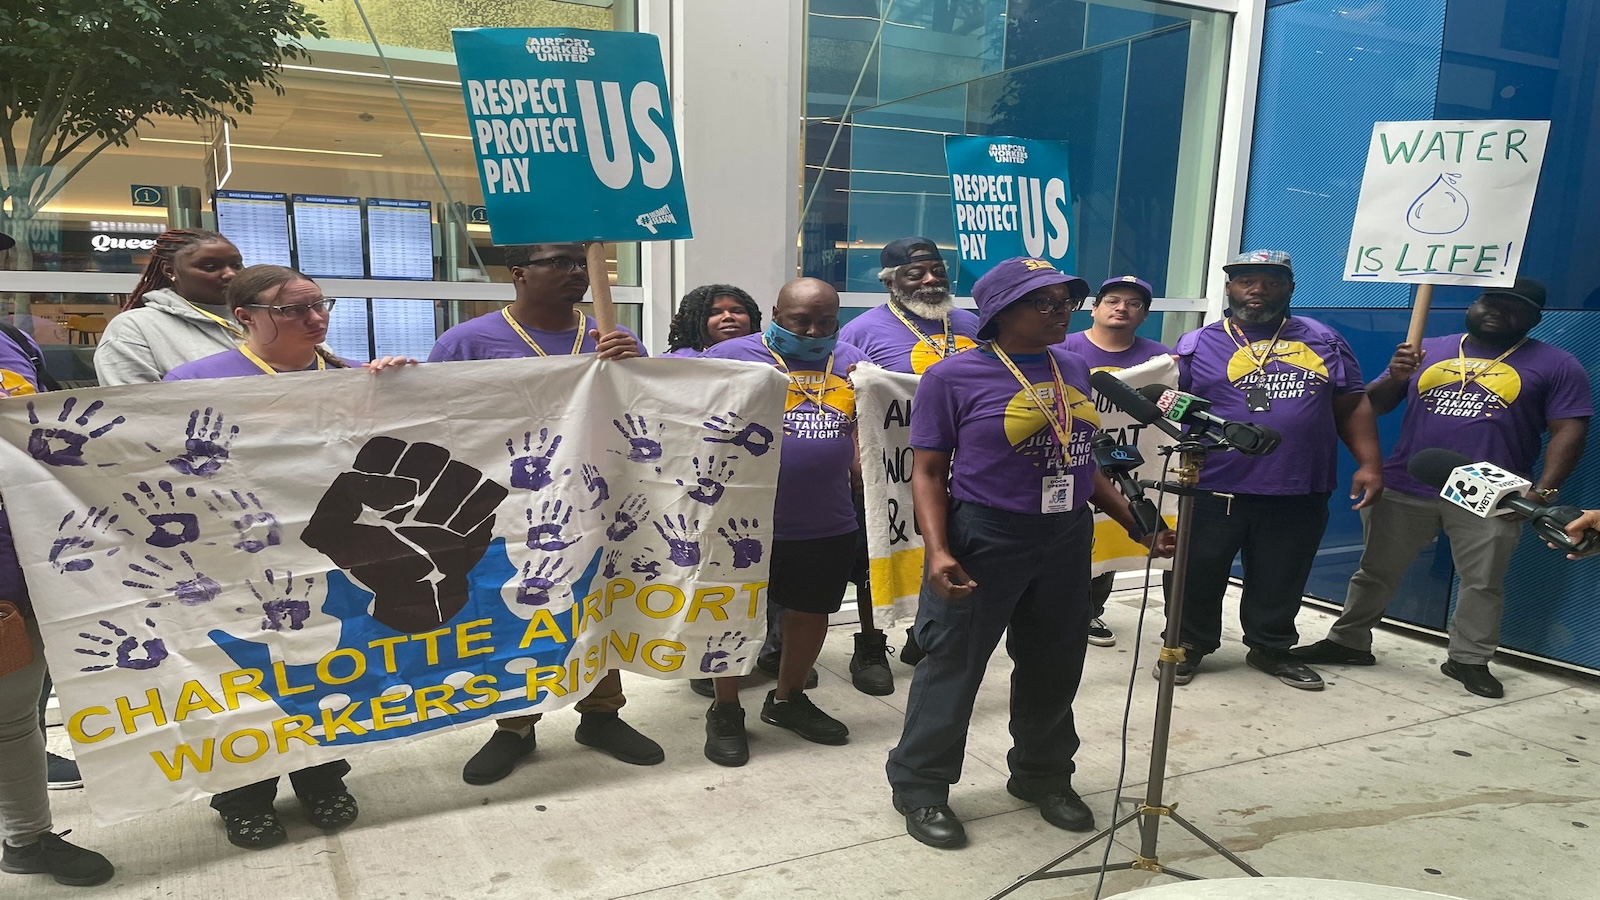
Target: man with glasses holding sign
{"points": [[543, 321]]}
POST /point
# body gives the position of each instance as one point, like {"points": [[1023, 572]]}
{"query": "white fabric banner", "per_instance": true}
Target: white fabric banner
{"points": [[243, 577], [883, 401]]}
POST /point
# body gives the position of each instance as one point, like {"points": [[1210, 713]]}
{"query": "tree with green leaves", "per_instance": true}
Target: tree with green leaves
{"points": [[78, 76]]}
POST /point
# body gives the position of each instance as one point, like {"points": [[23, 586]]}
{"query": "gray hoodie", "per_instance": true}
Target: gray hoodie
{"points": [[142, 345]]}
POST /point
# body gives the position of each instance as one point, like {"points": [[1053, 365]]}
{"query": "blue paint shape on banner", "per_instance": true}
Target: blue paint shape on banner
{"points": [[1011, 197], [573, 135]]}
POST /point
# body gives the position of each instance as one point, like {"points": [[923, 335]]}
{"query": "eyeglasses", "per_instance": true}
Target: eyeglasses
{"points": [[1049, 307], [1129, 303], [562, 263], [299, 311]]}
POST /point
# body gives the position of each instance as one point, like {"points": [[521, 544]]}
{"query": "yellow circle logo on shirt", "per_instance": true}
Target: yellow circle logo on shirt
{"points": [[923, 356], [1024, 421], [1293, 353], [1496, 378], [836, 392], [14, 384]]}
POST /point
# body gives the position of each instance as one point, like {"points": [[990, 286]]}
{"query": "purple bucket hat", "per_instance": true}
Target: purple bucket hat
{"points": [[1010, 280]]}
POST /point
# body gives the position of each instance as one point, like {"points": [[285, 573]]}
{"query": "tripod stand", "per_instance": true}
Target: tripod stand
{"points": [[1150, 808]]}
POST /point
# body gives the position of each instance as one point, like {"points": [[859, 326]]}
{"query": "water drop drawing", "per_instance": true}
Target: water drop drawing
{"points": [[1441, 209]]}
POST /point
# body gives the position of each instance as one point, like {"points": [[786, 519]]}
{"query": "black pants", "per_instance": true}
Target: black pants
{"points": [[1278, 537], [253, 799], [1033, 586]]}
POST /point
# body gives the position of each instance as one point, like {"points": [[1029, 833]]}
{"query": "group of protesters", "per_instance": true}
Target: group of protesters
{"points": [[1003, 480]]}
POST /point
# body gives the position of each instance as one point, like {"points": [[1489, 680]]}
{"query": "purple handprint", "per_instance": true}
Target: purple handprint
{"points": [[709, 477], [719, 655], [64, 446], [256, 529], [285, 609], [545, 533], [641, 447], [154, 650], [92, 527], [167, 529], [205, 449], [682, 550], [634, 510], [649, 568], [612, 558], [190, 591], [531, 470], [534, 590], [746, 549], [596, 485], [733, 429]]}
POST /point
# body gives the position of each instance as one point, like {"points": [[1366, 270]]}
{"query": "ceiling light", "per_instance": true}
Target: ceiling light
{"points": [[408, 78], [264, 147]]}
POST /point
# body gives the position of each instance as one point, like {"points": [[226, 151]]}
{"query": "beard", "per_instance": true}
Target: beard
{"points": [[927, 303], [1267, 313]]}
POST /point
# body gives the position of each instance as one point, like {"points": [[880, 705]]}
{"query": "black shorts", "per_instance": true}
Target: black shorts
{"points": [[810, 576]]}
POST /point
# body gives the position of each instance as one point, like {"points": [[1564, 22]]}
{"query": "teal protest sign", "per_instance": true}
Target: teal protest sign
{"points": [[573, 135], [1011, 197]]}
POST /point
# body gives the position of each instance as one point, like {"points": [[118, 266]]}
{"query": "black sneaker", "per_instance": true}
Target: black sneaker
{"points": [[66, 863], [1064, 808], [1476, 679], [607, 731], [869, 664], [498, 756], [1100, 634], [1285, 668], [768, 665], [702, 686], [912, 653], [1186, 667], [331, 811], [726, 743], [63, 773], [801, 716], [257, 831], [1328, 653]]}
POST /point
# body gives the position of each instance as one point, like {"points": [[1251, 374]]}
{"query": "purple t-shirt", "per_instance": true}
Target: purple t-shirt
{"points": [[1499, 416], [492, 337], [887, 342], [1304, 371], [227, 364], [1143, 350], [17, 378], [1004, 450], [819, 444], [682, 353]]}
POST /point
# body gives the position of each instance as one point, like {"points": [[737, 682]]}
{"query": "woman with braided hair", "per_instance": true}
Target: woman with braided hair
{"points": [[176, 314], [710, 314]]}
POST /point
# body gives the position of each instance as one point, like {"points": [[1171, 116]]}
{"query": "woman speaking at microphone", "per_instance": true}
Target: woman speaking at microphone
{"points": [[1002, 478]]}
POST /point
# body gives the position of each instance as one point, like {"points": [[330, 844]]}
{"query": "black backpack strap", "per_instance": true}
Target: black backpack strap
{"points": [[46, 381]]}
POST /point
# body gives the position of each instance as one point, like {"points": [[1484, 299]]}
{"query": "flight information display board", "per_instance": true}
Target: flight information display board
{"points": [[400, 239], [327, 234], [257, 222], [403, 328], [347, 330]]}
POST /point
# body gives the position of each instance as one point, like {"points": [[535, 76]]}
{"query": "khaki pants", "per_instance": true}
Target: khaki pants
{"points": [[605, 698]]}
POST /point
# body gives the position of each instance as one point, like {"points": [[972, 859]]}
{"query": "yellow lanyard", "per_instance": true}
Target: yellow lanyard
{"points": [[1249, 348], [262, 364], [949, 347], [577, 343], [1461, 360], [1060, 418], [232, 329], [827, 370]]}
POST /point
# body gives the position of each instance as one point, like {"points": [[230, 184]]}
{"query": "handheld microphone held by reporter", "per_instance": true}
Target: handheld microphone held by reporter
{"points": [[1486, 490], [1118, 461], [1187, 409]]}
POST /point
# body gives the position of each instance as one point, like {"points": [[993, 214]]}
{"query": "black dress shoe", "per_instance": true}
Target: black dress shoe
{"points": [[702, 686], [1476, 678], [1064, 808], [935, 826], [1286, 669], [1328, 653]]}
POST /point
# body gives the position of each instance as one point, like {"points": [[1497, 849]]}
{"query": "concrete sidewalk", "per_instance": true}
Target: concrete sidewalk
{"points": [[1392, 775]]}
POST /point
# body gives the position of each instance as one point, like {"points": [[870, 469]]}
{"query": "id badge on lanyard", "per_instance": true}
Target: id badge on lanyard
{"points": [[1056, 496]]}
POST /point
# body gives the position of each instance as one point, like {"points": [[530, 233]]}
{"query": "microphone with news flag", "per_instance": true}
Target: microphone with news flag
{"points": [[1187, 409], [1486, 490]]}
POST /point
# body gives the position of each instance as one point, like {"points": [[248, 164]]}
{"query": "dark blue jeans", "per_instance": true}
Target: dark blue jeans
{"points": [[1032, 573]]}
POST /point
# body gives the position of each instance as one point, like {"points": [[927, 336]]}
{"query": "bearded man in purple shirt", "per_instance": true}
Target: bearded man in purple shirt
{"points": [[1489, 394], [1300, 377]]}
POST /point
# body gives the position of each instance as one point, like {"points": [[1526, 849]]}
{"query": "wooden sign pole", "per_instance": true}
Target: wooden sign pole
{"points": [[1419, 315], [605, 315]]}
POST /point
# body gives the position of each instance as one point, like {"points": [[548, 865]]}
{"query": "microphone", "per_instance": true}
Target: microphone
{"points": [[1486, 490], [1187, 409], [1121, 395], [1118, 461]]}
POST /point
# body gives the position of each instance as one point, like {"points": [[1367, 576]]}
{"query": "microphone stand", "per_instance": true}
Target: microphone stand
{"points": [[1151, 808]]}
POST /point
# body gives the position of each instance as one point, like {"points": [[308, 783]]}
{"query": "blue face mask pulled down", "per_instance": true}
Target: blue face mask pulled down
{"points": [[807, 349]]}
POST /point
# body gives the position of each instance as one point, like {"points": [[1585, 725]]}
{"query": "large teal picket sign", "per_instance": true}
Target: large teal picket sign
{"points": [[573, 135], [1010, 197]]}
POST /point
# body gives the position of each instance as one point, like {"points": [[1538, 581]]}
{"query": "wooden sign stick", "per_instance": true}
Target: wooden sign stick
{"points": [[605, 315], [1419, 315]]}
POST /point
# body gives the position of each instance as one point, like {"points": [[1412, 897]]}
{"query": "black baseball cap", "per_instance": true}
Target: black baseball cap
{"points": [[1524, 289], [908, 250], [6, 242]]}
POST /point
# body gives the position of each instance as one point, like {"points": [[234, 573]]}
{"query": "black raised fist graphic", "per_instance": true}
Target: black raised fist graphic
{"points": [[409, 523]]}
